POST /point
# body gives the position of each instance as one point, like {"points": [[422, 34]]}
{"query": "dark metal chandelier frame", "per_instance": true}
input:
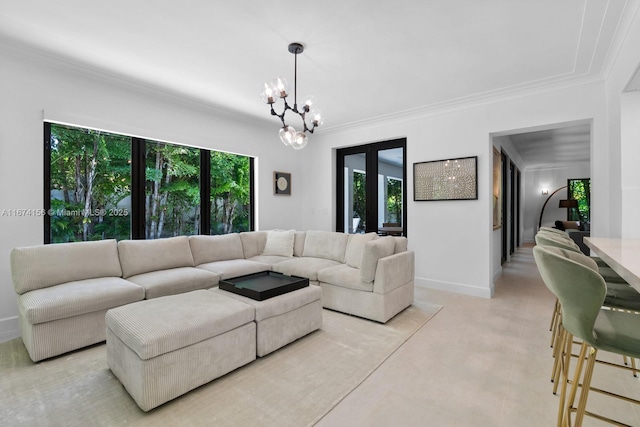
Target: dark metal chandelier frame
{"points": [[295, 48], [278, 88]]}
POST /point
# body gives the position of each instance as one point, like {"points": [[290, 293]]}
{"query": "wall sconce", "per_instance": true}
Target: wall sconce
{"points": [[545, 191]]}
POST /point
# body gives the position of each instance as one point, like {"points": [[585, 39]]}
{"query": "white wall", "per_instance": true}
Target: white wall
{"points": [[630, 154], [451, 238], [622, 181], [34, 87], [503, 143]]}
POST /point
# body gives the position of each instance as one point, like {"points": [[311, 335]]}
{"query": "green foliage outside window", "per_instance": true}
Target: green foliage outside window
{"points": [[394, 201], [580, 190], [90, 175], [172, 190], [360, 200], [230, 193], [91, 188]]}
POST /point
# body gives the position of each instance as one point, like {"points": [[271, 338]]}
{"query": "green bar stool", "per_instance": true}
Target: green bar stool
{"points": [[581, 291]]}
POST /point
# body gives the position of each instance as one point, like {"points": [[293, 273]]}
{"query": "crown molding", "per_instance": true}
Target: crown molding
{"points": [[473, 101], [629, 15], [70, 63], [37, 56]]}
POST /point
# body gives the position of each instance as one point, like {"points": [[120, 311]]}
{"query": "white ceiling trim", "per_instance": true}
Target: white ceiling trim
{"points": [[469, 102], [630, 13]]}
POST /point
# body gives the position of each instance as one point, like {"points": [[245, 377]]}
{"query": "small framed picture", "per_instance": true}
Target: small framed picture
{"points": [[282, 183]]}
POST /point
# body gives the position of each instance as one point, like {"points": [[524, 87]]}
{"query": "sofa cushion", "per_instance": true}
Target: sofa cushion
{"points": [[272, 307], [143, 256], [373, 251], [174, 281], [234, 267], [353, 256], [402, 244], [76, 298], [253, 242], [325, 244], [307, 267], [279, 243], [298, 243], [152, 328], [37, 267], [344, 276], [216, 248]]}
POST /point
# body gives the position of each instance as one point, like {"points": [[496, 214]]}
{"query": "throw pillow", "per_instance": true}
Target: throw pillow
{"points": [[353, 257], [373, 251], [279, 242]]}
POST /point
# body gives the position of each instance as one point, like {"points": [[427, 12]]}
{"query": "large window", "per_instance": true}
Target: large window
{"points": [[100, 185]]}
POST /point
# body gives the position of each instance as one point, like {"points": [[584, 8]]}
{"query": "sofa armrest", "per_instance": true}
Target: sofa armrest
{"points": [[394, 271]]}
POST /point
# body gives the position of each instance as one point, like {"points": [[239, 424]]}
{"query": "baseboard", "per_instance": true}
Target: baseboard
{"points": [[459, 288], [9, 328], [497, 274]]}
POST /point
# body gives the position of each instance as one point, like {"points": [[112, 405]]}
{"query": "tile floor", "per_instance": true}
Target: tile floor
{"points": [[478, 362]]}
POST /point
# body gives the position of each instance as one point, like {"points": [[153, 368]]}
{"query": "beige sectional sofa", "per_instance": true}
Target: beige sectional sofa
{"points": [[64, 290]]}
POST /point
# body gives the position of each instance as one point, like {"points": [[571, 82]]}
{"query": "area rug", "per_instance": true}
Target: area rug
{"points": [[294, 386]]}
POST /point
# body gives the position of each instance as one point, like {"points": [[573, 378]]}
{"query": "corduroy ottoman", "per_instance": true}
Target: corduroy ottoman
{"points": [[284, 318], [162, 348]]}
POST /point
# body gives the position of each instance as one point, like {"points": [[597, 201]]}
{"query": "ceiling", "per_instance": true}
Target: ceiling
{"points": [[557, 146], [363, 60]]}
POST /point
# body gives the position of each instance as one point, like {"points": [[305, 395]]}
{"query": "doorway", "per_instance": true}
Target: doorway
{"points": [[371, 188]]}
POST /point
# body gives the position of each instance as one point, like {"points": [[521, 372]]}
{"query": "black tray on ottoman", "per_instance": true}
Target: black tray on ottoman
{"points": [[263, 285]]}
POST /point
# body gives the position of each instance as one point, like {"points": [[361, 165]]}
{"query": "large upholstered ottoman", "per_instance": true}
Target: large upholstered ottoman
{"points": [[161, 348], [285, 318]]}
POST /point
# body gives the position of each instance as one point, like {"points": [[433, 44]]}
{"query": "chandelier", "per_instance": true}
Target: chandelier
{"points": [[279, 88]]}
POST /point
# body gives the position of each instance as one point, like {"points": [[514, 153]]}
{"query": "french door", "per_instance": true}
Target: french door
{"points": [[371, 188]]}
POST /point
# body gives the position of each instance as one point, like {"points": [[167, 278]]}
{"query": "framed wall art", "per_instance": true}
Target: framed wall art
{"points": [[497, 185], [451, 179], [282, 183]]}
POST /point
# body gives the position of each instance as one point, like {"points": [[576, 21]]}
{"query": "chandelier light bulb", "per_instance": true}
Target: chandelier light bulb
{"points": [[268, 94], [300, 141], [317, 118], [281, 87], [287, 135], [307, 103]]}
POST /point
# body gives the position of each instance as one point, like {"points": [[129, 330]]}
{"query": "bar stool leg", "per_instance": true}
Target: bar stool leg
{"points": [[575, 385], [558, 353], [586, 385], [565, 365]]}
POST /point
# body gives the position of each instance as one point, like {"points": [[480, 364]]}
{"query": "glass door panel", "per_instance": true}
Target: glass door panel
{"points": [[355, 193], [390, 191]]}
